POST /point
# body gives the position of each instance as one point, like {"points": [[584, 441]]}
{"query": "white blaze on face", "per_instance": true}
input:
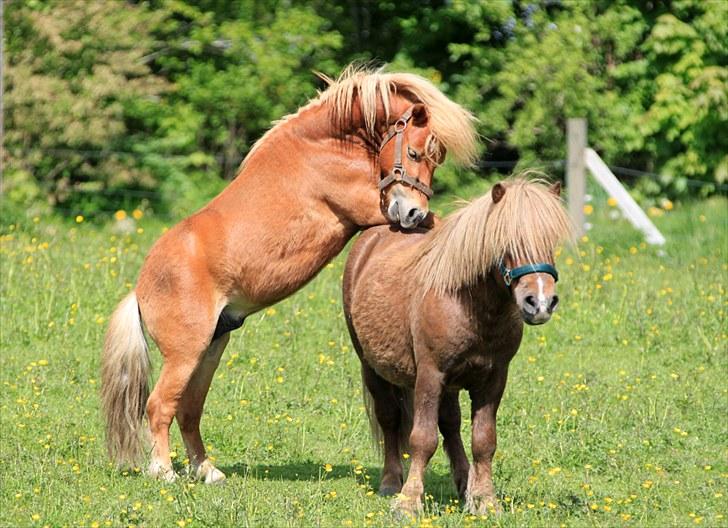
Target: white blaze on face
{"points": [[541, 296]]}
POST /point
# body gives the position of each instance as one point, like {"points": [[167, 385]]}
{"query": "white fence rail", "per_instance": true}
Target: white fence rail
{"points": [[626, 203], [582, 157]]}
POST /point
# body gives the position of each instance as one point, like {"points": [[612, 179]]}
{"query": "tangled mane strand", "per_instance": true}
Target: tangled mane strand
{"points": [[452, 126], [527, 224]]}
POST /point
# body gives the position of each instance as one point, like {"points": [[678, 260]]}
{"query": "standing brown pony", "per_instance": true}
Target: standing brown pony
{"points": [[437, 311], [361, 154]]}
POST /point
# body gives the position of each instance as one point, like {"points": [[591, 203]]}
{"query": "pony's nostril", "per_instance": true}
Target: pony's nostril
{"points": [[531, 301], [554, 303], [413, 213]]}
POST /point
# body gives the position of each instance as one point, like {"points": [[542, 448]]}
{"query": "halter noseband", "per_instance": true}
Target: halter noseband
{"points": [[509, 275], [399, 174]]}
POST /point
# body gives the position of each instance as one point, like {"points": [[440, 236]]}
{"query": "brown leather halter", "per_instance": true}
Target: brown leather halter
{"points": [[399, 174]]}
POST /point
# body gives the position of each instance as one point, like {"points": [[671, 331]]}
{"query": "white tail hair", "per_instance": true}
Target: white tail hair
{"points": [[125, 371]]}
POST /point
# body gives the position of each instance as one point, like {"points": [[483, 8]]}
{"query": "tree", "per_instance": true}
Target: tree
{"points": [[167, 97], [72, 69], [650, 78], [236, 67], [684, 123]]}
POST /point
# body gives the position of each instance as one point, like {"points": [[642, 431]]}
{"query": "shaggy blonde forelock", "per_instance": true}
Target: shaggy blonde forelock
{"points": [[526, 224]]}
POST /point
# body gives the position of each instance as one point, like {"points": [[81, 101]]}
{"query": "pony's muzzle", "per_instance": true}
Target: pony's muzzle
{"points": [[406, 212], [415, 215], [538, 311]]}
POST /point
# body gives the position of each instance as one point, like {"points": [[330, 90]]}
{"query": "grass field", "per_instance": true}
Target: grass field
{"points": [[614, 414]]}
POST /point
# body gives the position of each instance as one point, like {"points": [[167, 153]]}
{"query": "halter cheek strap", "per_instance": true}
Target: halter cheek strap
{"points": [[509, 275], [399, 174]]}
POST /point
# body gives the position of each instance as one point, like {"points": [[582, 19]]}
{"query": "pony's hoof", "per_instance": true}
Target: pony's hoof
{"points": [[388, 490], [390, 486], [461, 484], [405, 508], [209, 474], [161, 472]]}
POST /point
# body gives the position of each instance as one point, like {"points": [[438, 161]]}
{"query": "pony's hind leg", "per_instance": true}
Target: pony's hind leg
{"points": [[161, 408], [388, 415], [183, 341], [449, 423], [190, 408]]}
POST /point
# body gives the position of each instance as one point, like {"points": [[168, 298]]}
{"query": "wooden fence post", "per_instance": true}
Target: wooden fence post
{"points": [[576, 171]]}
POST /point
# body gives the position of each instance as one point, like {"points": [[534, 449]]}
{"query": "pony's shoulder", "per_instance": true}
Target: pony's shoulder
{"points": [[378, 240]]}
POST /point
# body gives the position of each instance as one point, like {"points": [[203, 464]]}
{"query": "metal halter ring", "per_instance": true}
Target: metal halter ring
{"points": [[401, 124]]}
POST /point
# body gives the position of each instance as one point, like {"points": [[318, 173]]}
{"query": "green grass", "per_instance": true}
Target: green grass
{"points": [[614, 412]]}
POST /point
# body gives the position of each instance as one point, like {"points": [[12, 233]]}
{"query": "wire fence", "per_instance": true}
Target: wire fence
{"points": [[483, 165], [106, 153], [616, 169]]}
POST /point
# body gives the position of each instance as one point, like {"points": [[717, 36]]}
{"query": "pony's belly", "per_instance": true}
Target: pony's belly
{"points": [[395, 367]]}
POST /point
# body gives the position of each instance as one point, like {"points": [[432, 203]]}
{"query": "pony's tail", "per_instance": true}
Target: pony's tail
{"points": [[374, 428], [405, 403], [125, 371]]}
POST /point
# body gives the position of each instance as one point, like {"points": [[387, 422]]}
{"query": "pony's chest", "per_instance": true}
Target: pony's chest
{"points": [[474, 363], [270, 266]]}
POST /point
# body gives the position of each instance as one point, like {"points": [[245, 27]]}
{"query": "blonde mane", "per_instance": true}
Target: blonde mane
{"points": [[527, 224], [452, 127]]}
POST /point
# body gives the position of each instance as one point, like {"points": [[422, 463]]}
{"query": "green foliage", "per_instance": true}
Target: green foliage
{"points": [[685, 122], [650, 79], [235, 73], [72, 70], [168, 96], [543, 81], [165, 98]]}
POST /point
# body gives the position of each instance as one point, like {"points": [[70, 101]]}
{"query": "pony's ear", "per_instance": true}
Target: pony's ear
{"points": [[497, 192], [419, 115], [556, 188]]}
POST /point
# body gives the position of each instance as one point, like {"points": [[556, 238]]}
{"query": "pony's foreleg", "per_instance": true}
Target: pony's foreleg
{"points": [[449, 422], [423, 439], [481, 498], [389, 419], [190, 408]]}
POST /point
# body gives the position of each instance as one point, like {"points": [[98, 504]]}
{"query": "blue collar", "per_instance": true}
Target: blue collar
{"points": [[509, 275]]}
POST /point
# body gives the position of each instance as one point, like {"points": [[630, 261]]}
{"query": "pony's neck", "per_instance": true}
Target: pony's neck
{"points": [[489, 300], [456, 254], [336, 163], [490, 285]]}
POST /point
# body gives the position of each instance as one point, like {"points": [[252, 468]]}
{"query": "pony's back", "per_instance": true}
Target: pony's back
{"points": [[385, 245]]}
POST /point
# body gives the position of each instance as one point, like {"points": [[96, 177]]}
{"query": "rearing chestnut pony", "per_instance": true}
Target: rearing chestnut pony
{"points": [[361, 154], [434, 312]]}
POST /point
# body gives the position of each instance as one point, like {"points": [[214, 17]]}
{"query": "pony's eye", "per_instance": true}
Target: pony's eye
{"points": [[413, 154]]}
